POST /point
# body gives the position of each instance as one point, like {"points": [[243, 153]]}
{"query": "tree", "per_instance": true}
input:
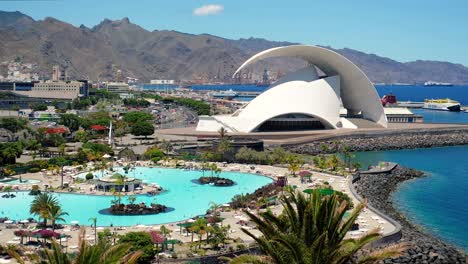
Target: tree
{"points": [[9, 155], [294, 164], [94, 223], [154, 154], [39, 107], [71, 121], [222, 132], [224, 146], [137, 116], [55, 214], [199, 227], [7, 189], [166, 146], [81, 136], [312, 230], [140, 241], [333, 162], [165, 231], [13, 124], [142, 129], [103, 253], [42, 205], [131, 199], [219, 234], [61, 162]]}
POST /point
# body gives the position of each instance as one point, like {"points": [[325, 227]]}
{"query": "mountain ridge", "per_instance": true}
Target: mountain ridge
{"points": [[96, 52]]}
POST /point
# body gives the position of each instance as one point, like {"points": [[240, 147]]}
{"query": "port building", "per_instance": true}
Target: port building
{"points": [[310, 98]]}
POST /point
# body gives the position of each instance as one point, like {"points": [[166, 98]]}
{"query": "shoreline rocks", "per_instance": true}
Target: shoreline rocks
{"points": [[390, 141], [137, 209], [217, 181], [423, 247]]}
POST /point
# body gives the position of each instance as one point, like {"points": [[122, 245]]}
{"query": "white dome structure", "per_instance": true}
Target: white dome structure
{"points": [[303, 100]]}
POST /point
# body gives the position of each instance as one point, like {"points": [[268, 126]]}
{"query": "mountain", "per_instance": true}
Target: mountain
{"points": [[95, 53]]}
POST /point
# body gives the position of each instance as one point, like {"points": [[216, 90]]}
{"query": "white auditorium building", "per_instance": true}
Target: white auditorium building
{"points": [[306, 99]]}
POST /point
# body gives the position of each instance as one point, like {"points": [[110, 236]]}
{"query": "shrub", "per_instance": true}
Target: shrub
{"points": [[154, 154], [35, 190], [34, 170], [241, 247], [344, 197], [140, 241], [89, 176]]}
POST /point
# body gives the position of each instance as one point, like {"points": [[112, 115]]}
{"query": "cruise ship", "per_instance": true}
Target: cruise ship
{"points": [[431, 83], [442, 104], [228, 94]]}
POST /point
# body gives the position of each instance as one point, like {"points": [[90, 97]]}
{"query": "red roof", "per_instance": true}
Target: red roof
{"points": [[98, 127], [56, 130], [305, 173], [156, 237]]}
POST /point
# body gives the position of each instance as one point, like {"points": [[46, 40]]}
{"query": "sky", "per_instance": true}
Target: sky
{"points": [[404, 30]]}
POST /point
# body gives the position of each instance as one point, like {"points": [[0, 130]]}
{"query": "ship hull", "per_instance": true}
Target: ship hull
{"points": [[452, 108]]}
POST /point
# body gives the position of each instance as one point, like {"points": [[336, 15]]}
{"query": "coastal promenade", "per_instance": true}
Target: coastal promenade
{"points": [[423, 247]]}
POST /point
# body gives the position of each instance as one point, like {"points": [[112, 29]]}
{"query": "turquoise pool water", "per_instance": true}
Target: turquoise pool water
{"points": [[187, 198], [17, 182]]}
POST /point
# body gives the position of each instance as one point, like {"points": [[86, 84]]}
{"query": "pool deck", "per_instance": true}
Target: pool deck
{"points": [[368, 220]]}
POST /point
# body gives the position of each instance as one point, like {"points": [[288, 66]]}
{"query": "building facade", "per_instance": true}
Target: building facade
{"points": [[118, 87], [306, 99]]}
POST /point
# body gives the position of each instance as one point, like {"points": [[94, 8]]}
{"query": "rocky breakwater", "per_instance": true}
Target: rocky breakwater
{"points": [[137, 209], [423, 248], [216, 181], [387, 141]]}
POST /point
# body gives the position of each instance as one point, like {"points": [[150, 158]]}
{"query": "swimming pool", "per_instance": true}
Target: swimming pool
{"points": [[188, 199]]}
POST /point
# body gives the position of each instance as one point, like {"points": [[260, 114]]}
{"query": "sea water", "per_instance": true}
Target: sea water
{"points": [[438, 202]]}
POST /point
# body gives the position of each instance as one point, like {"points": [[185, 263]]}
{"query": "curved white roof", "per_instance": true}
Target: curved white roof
{"points": [[303, 92], [358, 94]]}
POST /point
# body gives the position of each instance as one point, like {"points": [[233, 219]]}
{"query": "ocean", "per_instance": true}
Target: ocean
{"points": [[438, 202], [403, 92]]}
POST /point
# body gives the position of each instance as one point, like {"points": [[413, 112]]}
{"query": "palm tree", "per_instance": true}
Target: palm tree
{"points": [[10, 154], [294, 165], [222, 132], [333, 162], [167, 146], [103, 253], [102, 166], [311, 230], [165, 231], [199, 227], [55, 213], [94, 223], [214, 207], [42, 204]]}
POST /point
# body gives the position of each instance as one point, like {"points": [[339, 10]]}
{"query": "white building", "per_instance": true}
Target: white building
{"points": [[56, 90], [306, 100], [162, 82]]}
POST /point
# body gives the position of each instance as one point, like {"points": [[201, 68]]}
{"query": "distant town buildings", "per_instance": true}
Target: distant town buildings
{"points": [[118, 87], [19, 72], [162, 82]]}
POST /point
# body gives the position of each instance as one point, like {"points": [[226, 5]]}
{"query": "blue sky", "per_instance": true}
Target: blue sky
{"points": [[404, 30]]}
